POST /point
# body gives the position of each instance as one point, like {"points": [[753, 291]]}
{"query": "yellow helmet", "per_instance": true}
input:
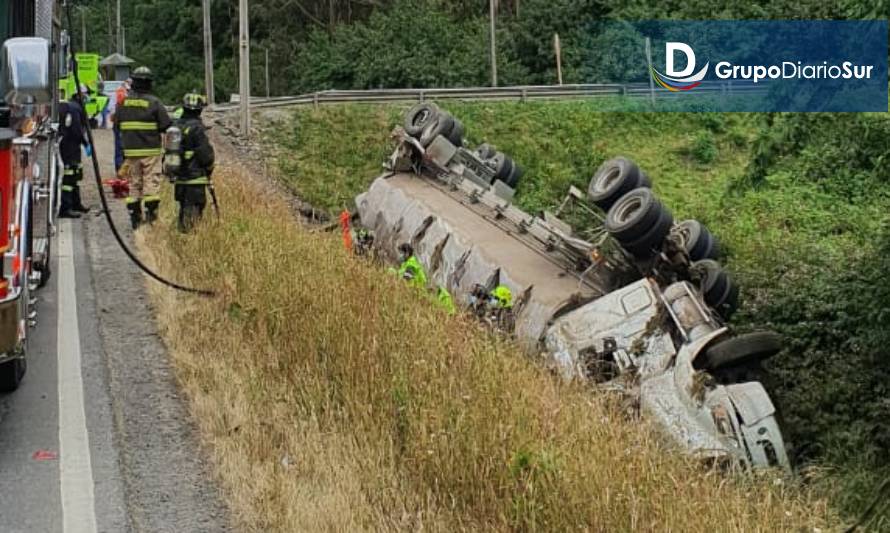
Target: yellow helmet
{"points": [[194, 102]]}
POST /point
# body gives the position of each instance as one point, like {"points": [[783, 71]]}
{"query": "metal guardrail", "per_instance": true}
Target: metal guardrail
{"points": [[520, 93]]}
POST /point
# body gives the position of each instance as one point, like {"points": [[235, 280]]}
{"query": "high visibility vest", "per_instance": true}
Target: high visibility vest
{"points": [[412, 270], [504, 296]]}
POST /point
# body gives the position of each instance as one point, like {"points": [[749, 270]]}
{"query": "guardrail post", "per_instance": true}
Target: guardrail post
{"points": [[315, 100], [624, 90], [524, 95], [421, 96]]}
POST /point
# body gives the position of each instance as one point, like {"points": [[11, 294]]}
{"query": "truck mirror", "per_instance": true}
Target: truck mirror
{"points": [[25, 69]]}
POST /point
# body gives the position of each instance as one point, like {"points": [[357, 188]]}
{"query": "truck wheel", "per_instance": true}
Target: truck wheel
{"points": [[11, 374], [717, 287], [615, 178], [633, 215], [729, 304], [485, 151], [456, 135], [418, 117], [650, 243], [441, 125], [698, 242], [742, 350], [515, 176], [503, 167]]}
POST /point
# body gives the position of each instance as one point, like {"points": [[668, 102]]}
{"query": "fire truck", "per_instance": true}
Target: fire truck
{"points": [[33, 42]]}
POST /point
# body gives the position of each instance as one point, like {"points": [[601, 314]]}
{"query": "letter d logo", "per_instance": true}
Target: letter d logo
{"points": [[670, 50]]}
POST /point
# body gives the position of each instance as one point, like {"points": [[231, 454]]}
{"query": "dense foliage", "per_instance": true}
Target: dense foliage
{"points": [[345, 44]]}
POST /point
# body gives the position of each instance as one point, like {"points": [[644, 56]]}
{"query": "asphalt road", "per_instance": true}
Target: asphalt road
{"points": [[98, 437]]}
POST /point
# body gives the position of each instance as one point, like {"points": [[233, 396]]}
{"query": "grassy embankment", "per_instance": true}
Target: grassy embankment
{"points": [[333, 398], [789, 241]]}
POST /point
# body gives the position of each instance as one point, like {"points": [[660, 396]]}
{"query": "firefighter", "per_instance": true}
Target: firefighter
{"points": [[410, 268], [197, 162], [502, 297], [142, 119], [73, 135]]}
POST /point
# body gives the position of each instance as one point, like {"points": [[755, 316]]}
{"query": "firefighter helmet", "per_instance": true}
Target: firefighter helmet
{"points": [[143, 73], [194, 102]]}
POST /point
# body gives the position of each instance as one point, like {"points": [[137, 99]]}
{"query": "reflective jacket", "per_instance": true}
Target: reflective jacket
{"points": [[71, 131], [412, 271], [503, 296], [197, 153], [142, 118], [445, 300]]}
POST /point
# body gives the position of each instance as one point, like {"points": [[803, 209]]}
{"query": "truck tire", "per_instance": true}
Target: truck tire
{"points": [[418, 117], [503, 166], [697, 240], [729, 304], [456, 135], [717, 287], [615, 178], [11, 374], [515, 176], [633, 215], [742, 350], [485, 151], [440, 126], [649, 244]]}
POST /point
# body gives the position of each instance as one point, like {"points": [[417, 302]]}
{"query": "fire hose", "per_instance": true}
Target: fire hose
{"points": [[105, 208]]}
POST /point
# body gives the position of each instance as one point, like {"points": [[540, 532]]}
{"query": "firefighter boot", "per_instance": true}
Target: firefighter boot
{"points": [[78, 203], [151, 210], [135, 208]]}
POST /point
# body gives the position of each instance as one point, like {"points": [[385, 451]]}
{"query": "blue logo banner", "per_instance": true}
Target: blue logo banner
{"points": [[795, 66]]}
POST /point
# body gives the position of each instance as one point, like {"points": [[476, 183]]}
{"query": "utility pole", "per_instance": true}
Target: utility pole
{"points": [[124, 40], [268, 94], [83, 28], [120, 39], [649, 63], [557, 49], [492, 8], [208, 54], [244, 66]]}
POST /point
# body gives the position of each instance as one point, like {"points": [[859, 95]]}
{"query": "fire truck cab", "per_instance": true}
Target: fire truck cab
{"points": [[32, 38]]}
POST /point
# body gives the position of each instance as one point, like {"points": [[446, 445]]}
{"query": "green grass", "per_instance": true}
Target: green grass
{"points": [[772, 235]]}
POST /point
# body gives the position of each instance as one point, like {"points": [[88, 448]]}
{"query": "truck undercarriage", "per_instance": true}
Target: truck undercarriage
{"points": [[639, 306]]}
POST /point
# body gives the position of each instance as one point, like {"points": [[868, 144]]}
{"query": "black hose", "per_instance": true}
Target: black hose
{"points": [[95, 159]]}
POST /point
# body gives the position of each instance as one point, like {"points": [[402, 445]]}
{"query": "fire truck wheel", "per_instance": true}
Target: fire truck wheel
{"points": [[615, 178], [634, 215], [11, 374], [418, 117], [744, 349]]}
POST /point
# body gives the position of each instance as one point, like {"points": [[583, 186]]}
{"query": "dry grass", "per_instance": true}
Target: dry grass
{"points": [[334, 398]]}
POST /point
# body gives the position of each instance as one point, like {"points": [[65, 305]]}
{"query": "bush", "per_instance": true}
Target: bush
{"points": [[704, 147]]}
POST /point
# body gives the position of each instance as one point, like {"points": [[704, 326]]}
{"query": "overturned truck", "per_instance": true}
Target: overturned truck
{"points": [[639, 305]]}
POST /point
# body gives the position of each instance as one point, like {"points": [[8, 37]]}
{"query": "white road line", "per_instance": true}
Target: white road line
{"points": [[75, 470]]}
